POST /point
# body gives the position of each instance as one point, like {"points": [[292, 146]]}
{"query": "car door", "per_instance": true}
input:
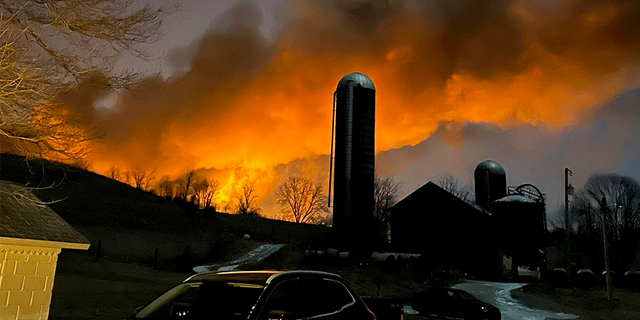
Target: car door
{"points": [[311, 298]]}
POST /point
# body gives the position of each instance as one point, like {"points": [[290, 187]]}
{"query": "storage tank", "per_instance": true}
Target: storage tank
{"points": [[519, 222], [354, 103], [490, 183]]}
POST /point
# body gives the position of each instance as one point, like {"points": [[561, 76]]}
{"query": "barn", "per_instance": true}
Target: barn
{"points": [[447, 231]]}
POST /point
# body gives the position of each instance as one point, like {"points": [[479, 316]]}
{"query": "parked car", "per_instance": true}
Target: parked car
{"points": [[259, 295], [447, 303]]}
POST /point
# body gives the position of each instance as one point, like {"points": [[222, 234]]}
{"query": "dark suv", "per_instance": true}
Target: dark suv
{"points": [[259, 295]]}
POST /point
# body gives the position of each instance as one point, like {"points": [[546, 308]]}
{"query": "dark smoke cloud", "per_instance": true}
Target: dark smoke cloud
{"points": [[600, 143], [221, 64], [476, 78]]}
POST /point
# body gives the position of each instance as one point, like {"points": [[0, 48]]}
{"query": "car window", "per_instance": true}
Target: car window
{"points": [[161, 308], [283, 297], [325, 297], [308, 298], [220, 300]]}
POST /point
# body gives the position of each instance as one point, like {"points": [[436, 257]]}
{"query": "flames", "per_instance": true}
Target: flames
{"points": [[256, 109]]}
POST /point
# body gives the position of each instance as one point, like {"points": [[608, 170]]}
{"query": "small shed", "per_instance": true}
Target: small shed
{"points": [[31, 237]]}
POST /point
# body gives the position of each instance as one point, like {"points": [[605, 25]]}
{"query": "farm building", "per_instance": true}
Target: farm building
{"points": [[31, 237], [445, 229]]}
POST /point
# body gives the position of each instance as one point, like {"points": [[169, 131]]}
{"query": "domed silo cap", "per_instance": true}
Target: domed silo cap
{"points": [[515, 198], [359, 79], [491, 166]]}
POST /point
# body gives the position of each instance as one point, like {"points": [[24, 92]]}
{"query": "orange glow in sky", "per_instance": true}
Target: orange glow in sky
{"points": [[248, 105]]}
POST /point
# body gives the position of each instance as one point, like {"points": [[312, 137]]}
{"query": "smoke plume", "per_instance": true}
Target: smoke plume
{"points": [[457, 82]]}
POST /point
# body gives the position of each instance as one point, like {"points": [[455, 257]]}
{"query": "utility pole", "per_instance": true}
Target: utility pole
{"points": [[567, 226], [606, 254], [606, 263]]}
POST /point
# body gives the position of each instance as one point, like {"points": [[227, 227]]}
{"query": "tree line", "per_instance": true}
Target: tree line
{"points": [[199, 193], [299, 198], [608, 205]]}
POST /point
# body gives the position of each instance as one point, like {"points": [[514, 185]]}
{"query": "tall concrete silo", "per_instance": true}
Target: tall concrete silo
{"points": [[491, 183], [354, 107]]}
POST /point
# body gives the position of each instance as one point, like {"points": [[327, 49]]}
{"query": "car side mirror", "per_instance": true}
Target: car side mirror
{"points": [[279, 315]]}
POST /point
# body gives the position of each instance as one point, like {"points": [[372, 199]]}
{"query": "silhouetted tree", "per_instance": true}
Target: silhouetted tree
{"points": [[302, 199], [454, 186], [50, 45], [166, 188], [325, 219], [204, 192], [556, 220], [247, 200], [227, 206], [185, 185], [140, 179], [385, 194], [614, 201], [114, 173]]}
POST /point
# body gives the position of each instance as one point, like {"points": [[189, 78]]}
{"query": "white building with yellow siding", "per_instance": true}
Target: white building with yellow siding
{"points": [[31, 237]]}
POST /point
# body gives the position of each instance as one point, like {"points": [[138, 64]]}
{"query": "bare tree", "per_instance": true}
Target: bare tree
{"points": [[302, 199], [227, 206], [385, 191], [140, 178], [47, 46], [166, 188], [114, 173], [210, 194], [185, 185], [454, 186], [615, 196], [556, 220], [127, 177], [247, 200], [614, 201], [199, 187], [204, 192]]}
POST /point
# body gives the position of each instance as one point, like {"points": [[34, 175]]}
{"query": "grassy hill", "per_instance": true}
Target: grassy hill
{"points": [[131, 224]]}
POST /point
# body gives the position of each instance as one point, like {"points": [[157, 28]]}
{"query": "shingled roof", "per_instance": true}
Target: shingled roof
{"points": [[24, 217]]}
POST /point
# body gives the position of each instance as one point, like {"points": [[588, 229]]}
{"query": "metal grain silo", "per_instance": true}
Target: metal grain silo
{"points": [[354, 107], [490, 182]]}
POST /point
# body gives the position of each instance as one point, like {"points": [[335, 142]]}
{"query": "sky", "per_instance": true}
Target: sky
{"points": [[241, 90]]}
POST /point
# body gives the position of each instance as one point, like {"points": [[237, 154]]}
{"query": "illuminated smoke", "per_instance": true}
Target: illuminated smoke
{"points": [[248, 105]]}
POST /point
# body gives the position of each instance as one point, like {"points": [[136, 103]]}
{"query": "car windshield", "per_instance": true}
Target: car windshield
{"points": [[204, 300]]}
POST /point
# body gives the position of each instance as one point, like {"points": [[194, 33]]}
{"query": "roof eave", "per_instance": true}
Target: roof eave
{"points": [[44, 243]]}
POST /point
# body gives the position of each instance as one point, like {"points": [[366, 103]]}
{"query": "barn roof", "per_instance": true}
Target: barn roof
{"points": [[432, 190], [25, 218]]}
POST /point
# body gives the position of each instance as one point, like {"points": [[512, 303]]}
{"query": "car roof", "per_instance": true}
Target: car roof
{"points": [[259, 277]]}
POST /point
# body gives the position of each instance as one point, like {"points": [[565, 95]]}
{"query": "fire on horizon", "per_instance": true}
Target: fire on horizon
{"points": [[253, 107]]}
